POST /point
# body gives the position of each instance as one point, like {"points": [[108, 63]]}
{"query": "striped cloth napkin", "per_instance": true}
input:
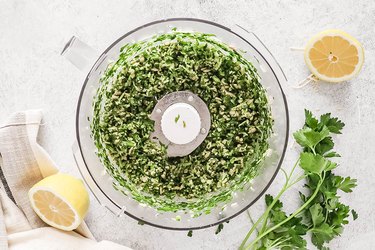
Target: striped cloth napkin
{"points": [[23, 163]]}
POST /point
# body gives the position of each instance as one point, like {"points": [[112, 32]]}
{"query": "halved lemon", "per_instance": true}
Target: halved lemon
{"points": [[60, 200], [334, 56]]}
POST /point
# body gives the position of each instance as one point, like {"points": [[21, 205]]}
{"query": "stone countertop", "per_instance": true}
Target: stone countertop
{"points": [[34, 75]]}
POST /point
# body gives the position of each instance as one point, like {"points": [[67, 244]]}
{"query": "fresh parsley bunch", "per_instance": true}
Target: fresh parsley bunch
{"points": [[321, 213]]}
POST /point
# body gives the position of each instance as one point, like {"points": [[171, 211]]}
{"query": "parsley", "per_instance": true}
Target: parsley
{"points": [[219, 228], [141, 223], [354, 213], [177, 118], [321, 212], [229, 157], [190, 233]]}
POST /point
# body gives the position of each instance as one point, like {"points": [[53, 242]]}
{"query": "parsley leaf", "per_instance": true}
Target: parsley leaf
{"points": [[332, 154], [308, 137], [346, 184], [324, 146], [322, 234], [333, 124], [313, 163], [310, 120], [316, 212]]}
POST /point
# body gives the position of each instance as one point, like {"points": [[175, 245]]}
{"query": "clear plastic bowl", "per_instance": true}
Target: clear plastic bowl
{"points": [[94, 172]]}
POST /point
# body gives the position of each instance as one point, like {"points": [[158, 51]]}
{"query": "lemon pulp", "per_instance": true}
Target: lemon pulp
{"points": [[334, 56], [60, 200]]}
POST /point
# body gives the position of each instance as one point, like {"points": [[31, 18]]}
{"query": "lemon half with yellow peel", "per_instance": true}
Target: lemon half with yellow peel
{"points": [[60, 200], [334, 56]]}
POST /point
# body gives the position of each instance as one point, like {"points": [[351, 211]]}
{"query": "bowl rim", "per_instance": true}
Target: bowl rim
{"points": [[169, 227]]}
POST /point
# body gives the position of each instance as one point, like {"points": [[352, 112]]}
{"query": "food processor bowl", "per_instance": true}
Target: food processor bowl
{"points": [[101, 183]]}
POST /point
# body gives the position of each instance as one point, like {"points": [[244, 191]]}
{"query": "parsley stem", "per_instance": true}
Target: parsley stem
{"points": [[265, 214], [287, 186], [263, 217], [251, 219], [294, 167], [291, 216], [280, 241], [297, 180]]}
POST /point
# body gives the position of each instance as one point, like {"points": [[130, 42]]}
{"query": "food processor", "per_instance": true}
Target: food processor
{"points": [[84, 149]]}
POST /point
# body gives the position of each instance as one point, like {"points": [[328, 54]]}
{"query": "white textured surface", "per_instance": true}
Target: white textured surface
{"points": [[34, 75]]}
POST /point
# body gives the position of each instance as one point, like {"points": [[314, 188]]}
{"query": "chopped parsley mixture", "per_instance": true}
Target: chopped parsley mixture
{"points": [[240, 121]]}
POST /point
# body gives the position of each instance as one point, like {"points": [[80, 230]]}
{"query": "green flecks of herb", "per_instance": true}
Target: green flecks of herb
{"points": [[354, 214], [229, 157], [219, 228], [190, 233], [184, 124], [177, 118], [141, 223]]}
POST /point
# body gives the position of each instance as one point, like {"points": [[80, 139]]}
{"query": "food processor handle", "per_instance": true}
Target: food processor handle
{"points": [[80, 54], [83, 57]]}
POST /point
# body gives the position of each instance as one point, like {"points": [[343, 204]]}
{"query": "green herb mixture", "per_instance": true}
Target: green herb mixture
{"points": [[230, 155]]}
